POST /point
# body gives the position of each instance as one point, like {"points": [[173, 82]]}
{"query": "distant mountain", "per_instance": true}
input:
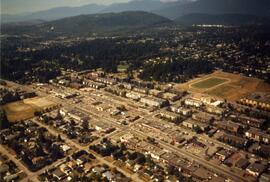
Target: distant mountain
{"points": [[96, 23], [223, 19], [62, 12], [135, 5], [54, 13], [251, 7]]}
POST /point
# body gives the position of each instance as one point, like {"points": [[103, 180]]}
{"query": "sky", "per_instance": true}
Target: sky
{"points": [[22, 6]]}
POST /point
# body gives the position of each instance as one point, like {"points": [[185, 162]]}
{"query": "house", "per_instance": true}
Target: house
{"points": [[256, 169]]}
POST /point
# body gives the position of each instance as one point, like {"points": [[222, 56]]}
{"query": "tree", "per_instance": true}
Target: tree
{"points": [[85, 125], [3, 120]]}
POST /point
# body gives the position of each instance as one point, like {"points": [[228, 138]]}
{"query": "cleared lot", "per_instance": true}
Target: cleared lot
{"points": [[25, 109]]}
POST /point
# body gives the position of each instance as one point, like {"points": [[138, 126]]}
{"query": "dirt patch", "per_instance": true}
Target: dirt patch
{"points": [[25, 109]]}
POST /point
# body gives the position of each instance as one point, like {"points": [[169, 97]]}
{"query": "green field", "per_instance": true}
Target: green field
{"points": [[122, 67], [209, 83]]}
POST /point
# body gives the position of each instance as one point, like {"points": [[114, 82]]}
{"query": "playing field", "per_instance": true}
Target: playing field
{"points": [[25, 109], [225, 85], [209, 83]]}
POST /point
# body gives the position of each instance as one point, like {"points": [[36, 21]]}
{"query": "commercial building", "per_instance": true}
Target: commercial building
{"points": [[253, 122], [154, 102], [93, 84], [258, 135], [193, 102], [190, 123], [181, 110], [170, 96], [228, 126], [134, 95], [256, 169], [203, 117], [169, 115]]}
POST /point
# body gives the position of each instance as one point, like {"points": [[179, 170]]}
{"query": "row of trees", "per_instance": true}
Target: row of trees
{"points": [[175, 71]]}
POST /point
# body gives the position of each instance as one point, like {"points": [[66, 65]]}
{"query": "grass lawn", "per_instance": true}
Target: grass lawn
{"points": [[122, 67], [209, 83]]}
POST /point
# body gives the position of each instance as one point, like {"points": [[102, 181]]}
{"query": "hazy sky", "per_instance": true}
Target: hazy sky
{"points": [[20, 6]]}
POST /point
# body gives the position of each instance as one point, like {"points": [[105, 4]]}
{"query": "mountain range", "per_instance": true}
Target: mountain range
{"points": [[93, 24], [172, 10], [107, 19]]}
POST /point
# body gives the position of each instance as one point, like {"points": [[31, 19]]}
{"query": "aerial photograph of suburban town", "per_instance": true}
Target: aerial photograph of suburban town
{"points": [[135, 91]]}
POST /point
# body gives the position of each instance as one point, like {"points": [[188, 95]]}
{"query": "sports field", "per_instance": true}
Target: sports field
{"points": [[225, 85], [209, 83], [25, 109]]}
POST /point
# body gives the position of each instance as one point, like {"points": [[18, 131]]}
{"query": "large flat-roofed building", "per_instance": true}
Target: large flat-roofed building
{"points": [[116, 90], [74, 114], [108, 81], [154, 102], [253, 122], [156, 93], [228, 126], [215, 110], [169, 115], [203, 117], [233, 140], [93, 84], [256, 169], [134, 95], [170, 96], [193, 102], [141, 90], [181, 110], [258, 135], [190, 123]]}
